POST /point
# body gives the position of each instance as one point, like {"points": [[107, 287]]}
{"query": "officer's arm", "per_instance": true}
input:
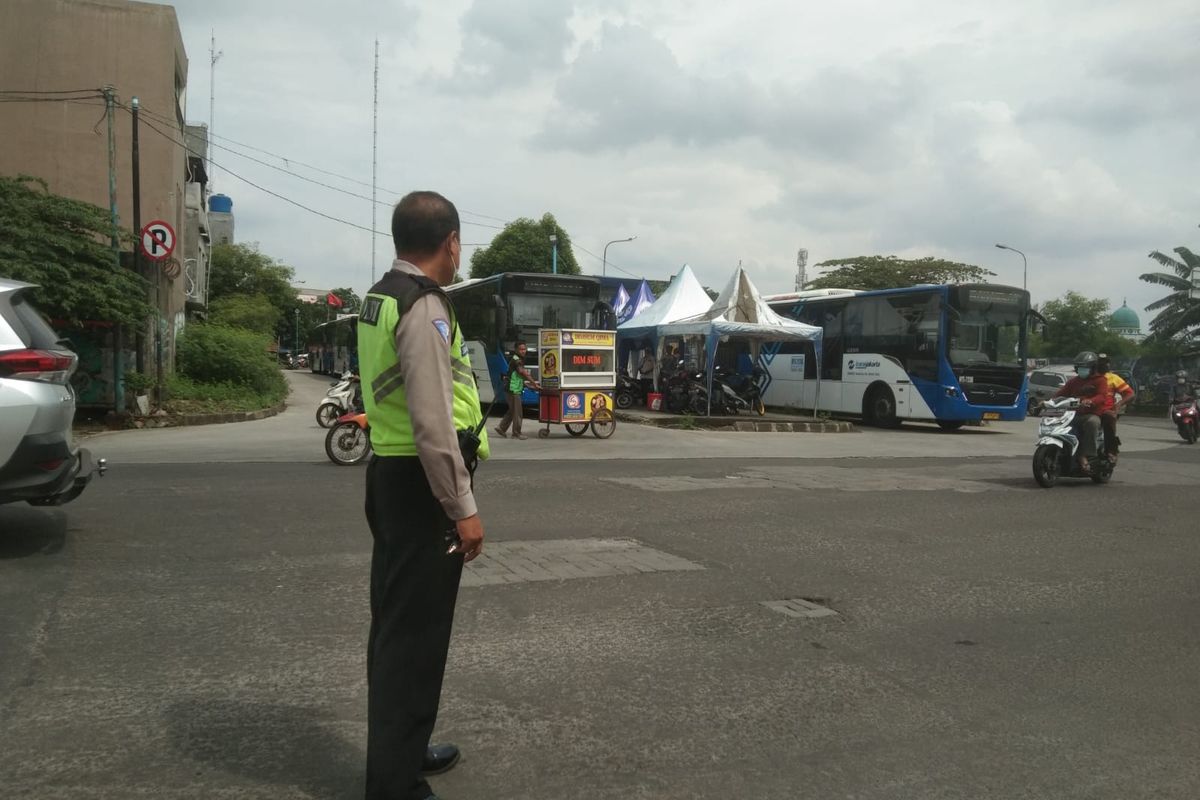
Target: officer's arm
{"points": [[424, 354]]}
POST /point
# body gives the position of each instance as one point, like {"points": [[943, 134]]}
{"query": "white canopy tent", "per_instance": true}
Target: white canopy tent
{"points": [[684, 298], [740, 312]]}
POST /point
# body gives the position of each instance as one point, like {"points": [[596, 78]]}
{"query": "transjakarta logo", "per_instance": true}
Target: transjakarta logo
{"points": [[863, 364]]}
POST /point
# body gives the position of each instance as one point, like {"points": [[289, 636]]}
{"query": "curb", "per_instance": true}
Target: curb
{"points": [[182, 420], [740, 425]]}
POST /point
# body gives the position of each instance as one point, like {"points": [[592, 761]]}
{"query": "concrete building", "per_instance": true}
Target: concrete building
{"points": [[49, 46], [197, 240]]}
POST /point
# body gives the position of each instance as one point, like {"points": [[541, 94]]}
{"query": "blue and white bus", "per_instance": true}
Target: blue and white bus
{"points": [[944, 354], [497, 311]]}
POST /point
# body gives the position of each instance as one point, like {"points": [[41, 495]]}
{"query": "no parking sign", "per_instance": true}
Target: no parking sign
{"points": [[158, 240]]}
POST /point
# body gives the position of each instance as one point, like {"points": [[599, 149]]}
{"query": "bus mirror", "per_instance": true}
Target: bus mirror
{"points": [[606, 316]]}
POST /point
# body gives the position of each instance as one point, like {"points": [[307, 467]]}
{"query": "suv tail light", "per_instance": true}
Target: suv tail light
{"points": [[44, 366]]}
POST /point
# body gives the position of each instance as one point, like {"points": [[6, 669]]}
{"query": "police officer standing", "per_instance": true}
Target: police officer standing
{"points": [[419, 392]]}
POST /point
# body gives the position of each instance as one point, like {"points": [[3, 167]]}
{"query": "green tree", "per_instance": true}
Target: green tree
{"points": [[1075, 323], [64, 246], [351, 302], [1178, 313], [252, 312], [242, 269], [524, 246], [889, 272]]}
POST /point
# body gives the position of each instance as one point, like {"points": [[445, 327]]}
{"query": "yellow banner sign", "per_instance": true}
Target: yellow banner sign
{"points": [[548, 338], [589, 338]]}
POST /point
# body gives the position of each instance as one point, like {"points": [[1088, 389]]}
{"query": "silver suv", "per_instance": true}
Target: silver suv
{"points": [[38, 461]]}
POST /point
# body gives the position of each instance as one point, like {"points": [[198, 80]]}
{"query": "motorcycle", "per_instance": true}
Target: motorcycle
{"points": [[1187, 420], [726, 399], [349, 440], [344, 396], [684, 391], [629, 392], [1058, 442]]}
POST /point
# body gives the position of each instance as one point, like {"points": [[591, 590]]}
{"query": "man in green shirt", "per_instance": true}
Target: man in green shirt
{"points": [[517, 378]]}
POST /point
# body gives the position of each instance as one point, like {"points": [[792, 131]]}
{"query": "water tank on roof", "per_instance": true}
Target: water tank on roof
{"points": [[220, 204]]}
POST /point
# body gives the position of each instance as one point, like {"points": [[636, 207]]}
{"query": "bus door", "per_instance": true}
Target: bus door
{"points": [[792, 372], [479, 368]]}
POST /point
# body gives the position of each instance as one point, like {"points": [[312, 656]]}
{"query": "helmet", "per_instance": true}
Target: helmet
{"points": [[1102, 362], [1085, 364]]}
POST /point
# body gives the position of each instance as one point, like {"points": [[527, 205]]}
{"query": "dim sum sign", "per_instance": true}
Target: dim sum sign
{"points": [[574, 359]]}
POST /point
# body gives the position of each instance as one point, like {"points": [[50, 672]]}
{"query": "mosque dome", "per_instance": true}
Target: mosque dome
{"points": [[1124, 318]]}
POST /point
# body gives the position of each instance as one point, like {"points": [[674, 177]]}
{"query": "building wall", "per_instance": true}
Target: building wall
{"points": [[137, 48]]}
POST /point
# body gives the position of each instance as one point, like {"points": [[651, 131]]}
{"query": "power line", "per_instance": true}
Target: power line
{"points": [[275, 194], [289, 161], [611, 264], [95, 92]]}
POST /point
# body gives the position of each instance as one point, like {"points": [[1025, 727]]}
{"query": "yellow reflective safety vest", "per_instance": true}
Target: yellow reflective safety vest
{"points": [[379, 366]]}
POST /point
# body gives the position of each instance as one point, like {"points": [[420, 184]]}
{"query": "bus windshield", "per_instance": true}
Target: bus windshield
{"points": [[986, 328], [550, 311]]}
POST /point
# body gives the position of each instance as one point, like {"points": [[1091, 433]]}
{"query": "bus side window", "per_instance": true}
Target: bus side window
{"points": [[829, 316]]}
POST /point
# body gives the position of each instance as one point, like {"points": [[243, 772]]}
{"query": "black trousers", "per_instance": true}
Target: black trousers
{"points": [[414, 586], [1108, 423]]}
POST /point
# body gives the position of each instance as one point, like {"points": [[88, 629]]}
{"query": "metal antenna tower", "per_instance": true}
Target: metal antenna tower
{"points": [[801, 268]]}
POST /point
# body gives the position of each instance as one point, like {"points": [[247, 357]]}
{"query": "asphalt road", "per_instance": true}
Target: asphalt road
{"points": [[196, 629]]}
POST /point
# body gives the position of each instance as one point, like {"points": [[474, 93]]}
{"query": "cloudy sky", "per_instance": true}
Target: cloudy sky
{"points": [[717, 132]]}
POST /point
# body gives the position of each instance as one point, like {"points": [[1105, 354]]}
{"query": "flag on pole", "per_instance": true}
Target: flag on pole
{"points": [[333, 300]]}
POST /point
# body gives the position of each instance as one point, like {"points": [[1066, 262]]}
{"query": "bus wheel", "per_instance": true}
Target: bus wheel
{"points": [[951, 424], [880, 408]]}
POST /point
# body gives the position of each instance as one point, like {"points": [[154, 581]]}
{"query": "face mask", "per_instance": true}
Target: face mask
{"points": [[1181, 381], [1083, 372]]}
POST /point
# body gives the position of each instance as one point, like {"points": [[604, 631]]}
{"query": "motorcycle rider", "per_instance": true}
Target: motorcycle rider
{"points": [[1119, 394], [1182, 391], [1092, 390]]}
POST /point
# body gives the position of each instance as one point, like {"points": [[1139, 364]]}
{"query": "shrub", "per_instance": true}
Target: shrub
{"points": [[216, 354], [189, 396]]}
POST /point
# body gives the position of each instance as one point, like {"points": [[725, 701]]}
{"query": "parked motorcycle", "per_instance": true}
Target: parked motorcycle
{"points": [[629, 392], [349, 440], [344, 396], [1187, 420], [1058, 442], [684, 391], [726, 400]]}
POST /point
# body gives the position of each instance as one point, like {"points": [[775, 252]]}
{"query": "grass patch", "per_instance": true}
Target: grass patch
{"points": [[188, 396]]}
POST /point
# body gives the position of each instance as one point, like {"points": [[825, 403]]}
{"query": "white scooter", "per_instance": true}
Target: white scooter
{"points": [[340, 399], [1058, 442]]}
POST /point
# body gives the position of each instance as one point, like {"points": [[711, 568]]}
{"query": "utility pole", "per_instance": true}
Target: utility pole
{"points": [[374, 159], [801, 269], [118, 345], [135, 106], [214, 55]]}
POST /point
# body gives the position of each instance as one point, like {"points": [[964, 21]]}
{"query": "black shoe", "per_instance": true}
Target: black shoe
{"points": [[439, 758]]}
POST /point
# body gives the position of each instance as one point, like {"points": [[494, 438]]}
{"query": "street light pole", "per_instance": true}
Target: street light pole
{"points": [[554, 255], [1024, 267], [604, 261]]}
